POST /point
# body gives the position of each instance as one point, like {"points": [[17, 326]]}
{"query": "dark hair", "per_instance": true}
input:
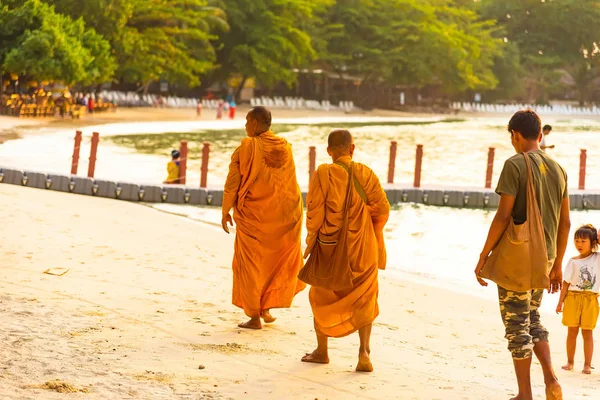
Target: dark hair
{"points": [[339, 138], [262, 115], [588, 232], [175, 154], [547, 128], [527, 123]]}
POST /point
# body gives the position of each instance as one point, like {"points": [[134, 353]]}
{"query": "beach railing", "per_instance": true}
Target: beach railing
{"points": [[490, 168], [75, 161], [183, 156], [204, 166], [312, 159], [93, 152], [582, 168]]}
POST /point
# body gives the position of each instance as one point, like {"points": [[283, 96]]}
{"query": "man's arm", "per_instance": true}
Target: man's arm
{"points": [[564, 227], [499, 224], [232, 186], [561, 299]]}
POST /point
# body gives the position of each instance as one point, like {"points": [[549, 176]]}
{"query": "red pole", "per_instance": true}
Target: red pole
{"points": [[418, 164], [93, 151], [204, 167], [392, 165], [490, 168], [582, 168], [75, 162], [183, 155], [312, 161]]}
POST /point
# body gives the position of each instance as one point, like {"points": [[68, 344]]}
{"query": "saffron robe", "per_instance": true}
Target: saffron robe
{"points": [[262, 189], [340, 313]]}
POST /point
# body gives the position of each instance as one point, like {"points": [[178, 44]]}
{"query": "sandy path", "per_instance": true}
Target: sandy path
{"points": [[146, 302]]}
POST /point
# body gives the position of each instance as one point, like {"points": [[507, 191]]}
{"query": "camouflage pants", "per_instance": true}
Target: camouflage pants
{"points": [[521, 319]]}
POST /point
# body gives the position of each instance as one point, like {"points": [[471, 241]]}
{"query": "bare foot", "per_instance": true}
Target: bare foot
{"points": [[554, 392], [587, 369], [267, 317], [364, 363], [316, 357], [253, 323], [568, 367]]}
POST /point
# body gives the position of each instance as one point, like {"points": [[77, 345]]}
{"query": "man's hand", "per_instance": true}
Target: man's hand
{"points": [[556, 277], [226, 220], [559, 307], [478, 269]]}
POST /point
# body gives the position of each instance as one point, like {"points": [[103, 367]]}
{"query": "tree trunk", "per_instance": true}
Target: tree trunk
{"points": [[239, 89], [146, 87], [581, 95]]}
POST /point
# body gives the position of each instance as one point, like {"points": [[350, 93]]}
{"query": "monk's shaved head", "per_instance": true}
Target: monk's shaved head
{"points": [[339, 139], [340, 143], [262, 115]]}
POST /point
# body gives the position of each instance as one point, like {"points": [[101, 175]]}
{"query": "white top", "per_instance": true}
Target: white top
{"points": [[583, 274], [543, 142]]}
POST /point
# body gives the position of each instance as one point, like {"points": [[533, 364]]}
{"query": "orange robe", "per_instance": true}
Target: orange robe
{"points": [[340, 313], [262, 189]]}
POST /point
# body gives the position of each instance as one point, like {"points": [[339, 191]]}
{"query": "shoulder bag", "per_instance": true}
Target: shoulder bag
{"points": [[519, 262]]}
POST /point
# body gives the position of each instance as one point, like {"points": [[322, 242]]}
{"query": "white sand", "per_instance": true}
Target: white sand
{"points": [[147, 301]]}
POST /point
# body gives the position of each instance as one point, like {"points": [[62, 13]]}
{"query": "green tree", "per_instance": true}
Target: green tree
{"points": [[267, 40], [39, 44], [154, 39], [551, 35], [410, 42]]}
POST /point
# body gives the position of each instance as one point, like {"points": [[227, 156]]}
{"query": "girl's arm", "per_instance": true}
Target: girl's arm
{"points": [[561, 299]]}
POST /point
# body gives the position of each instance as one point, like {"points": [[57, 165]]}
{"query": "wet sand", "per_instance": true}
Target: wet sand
{"points": [[145, 312]]}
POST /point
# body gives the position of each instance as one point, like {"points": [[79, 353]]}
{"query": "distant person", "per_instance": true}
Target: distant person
{"points": [[199, 108], [520, 310], [232, 110], [173, 168], [220, 106], [262, 189], [91, 104], [545, 132], [339, 313], [579, 296]]}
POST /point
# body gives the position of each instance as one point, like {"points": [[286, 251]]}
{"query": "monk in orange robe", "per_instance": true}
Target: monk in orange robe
{"points": [[262, 189], [341, 313]]}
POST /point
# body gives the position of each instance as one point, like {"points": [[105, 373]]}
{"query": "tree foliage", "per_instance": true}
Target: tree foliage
{"points": [[551, 35], [267, 39], [40, 44], [510, 47], [155, 39], [422, 42]]}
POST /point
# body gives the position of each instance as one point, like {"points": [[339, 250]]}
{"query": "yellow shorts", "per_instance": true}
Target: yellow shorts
{"points": [[580, 310]]}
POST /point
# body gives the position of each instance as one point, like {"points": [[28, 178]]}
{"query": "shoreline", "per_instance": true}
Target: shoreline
{"points": [[147, 114], [10, 125], [146, 303]]}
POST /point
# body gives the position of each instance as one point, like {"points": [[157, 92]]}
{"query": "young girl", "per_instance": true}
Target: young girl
{"points": [[580, 295]]}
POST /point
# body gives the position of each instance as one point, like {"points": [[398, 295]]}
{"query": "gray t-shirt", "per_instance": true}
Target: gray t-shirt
{"points": [[550, 182]]}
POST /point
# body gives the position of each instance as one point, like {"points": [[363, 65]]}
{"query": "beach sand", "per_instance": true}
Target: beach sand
{"points": [[11, 125], [144, 312]]}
